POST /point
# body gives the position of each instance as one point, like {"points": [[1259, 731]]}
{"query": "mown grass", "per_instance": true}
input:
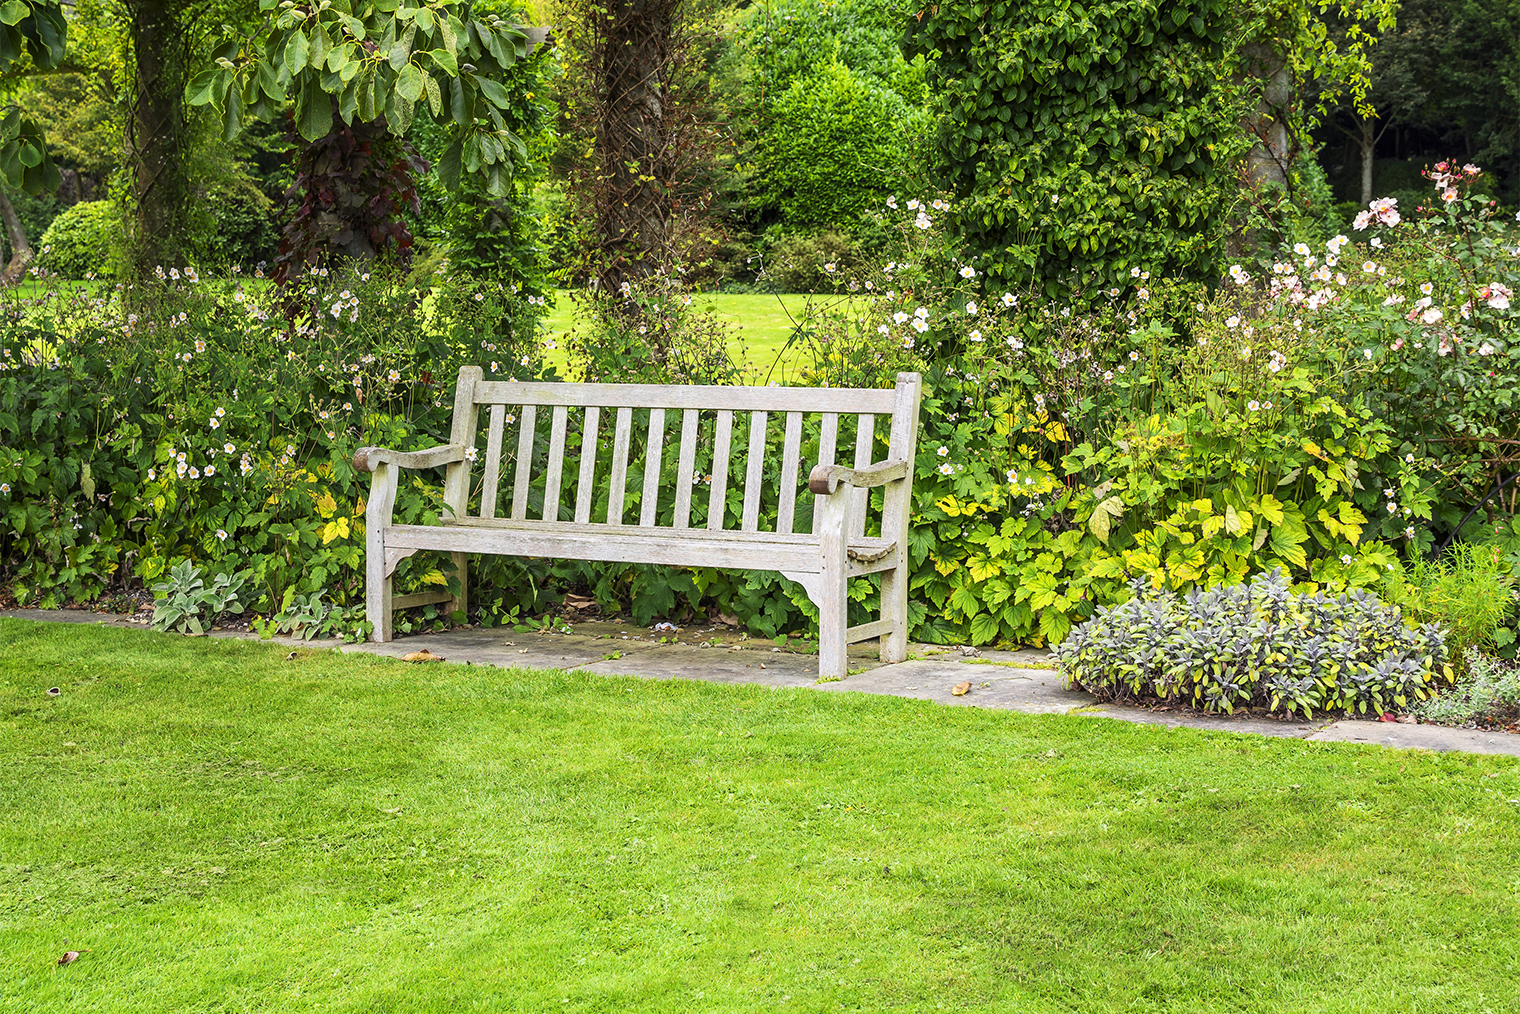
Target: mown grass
{"points": [[763, 325], [220, 829]]}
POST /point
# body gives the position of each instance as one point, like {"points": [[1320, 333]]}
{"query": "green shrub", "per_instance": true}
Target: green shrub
{"points": [[80, 243], [197, 424], [836, 143], [1487, 693], [1255, 644], [809, 261], [1469, 591]]}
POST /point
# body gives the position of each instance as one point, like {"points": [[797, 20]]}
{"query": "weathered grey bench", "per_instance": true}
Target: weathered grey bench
{"points": [[822, 560]]}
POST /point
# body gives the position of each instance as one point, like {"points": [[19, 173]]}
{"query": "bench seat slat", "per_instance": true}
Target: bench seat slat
{"points": [[492, 475], [738, 399], [687, 467], [648, 508], [556, 463], [719, 493], [525, 433], [619, 482], [590, 434], [791, 452], [625, 544], [754, 471], [828, 439]]}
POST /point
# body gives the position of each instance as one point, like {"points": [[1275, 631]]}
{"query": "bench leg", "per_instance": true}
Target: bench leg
{"points": [[377, 578], [894, 609], [833, 598], [461, 602]]}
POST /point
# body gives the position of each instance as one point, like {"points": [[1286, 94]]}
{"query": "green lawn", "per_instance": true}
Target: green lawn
{"points": [[764, 324], [220, 829]]}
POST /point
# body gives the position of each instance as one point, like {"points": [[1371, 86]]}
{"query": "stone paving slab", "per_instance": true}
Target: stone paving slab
{"points": [[1022, 680]]}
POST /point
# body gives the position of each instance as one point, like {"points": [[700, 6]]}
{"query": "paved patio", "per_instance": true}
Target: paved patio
{"points": [[1021, 680]]}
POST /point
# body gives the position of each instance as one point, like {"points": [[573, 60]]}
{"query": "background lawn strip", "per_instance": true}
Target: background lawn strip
{"points": [[234, 831]]}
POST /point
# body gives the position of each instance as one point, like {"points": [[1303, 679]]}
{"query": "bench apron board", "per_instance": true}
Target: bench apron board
{"points": [[540, 520]]}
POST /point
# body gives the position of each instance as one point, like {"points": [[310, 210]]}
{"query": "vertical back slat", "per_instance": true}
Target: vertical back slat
{"points": [[525, 434], [647, 509], [686, 467], [619, 466], [828, 440], [493, 462], [865, 448], [754, 470], [585, 486], [556, 462], [719, 493], [791, 452]]}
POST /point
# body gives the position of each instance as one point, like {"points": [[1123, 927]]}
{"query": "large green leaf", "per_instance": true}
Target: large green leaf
{"points": [[12, 12], [297, 50], [201, 87], [314, 114], [411, 82], [449, 165]]}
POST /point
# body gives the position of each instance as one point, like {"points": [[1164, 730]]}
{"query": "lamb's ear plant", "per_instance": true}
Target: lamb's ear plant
{"points": [[185, 603], [1256, 645]]}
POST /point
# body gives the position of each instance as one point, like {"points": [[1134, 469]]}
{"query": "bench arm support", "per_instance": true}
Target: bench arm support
{"points": [[825, 479], [367, 459]]}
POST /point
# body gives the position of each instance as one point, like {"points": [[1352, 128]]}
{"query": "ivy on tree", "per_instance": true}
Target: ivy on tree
{"points": [[34, 30], [379, 59]]}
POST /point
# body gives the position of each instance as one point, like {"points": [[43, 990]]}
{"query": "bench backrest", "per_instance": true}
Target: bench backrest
{"points": [[530, 464]]}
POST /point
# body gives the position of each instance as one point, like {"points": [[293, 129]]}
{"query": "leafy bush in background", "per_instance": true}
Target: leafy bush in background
{"points": [[836, 143], [80, 240], [1255, 644], [194, 423], [796, 262], [1084, 140]]}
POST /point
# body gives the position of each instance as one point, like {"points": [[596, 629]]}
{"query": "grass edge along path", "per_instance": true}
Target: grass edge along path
{"points": [[218, 828]]}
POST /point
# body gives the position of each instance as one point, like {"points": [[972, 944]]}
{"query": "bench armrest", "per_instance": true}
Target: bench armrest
{"points": [[366, 459], [827, 478]]}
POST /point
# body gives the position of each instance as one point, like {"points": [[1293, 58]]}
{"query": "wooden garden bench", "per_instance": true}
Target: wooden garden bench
{"points": [[541, 523]]}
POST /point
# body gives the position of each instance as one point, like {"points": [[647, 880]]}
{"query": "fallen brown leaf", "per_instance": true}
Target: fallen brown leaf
{"points": [[69, 957], [422, 656], [727, 620], [961, 689]]}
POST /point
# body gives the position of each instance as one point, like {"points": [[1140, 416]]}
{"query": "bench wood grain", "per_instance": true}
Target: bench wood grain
{"points": [[835, 548]]}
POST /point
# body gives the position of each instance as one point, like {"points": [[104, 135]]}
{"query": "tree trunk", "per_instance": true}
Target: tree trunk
{"points": [[1367, 141], [157, 139], [1270, 158], [633, 144], [21, 250]]}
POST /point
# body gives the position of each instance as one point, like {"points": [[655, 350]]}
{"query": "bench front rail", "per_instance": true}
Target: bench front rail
{"points": [[553, 482]]}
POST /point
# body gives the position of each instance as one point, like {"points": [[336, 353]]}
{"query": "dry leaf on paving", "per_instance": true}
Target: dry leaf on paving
{"points": [[422, 656], [69, 957], [961, 689]]}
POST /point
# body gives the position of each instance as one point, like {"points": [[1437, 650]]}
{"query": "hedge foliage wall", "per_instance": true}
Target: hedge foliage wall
{"points": [[1085, 139]]}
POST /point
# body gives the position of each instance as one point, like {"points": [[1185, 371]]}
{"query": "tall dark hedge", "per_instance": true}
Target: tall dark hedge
{"points": [[1083, 140]]}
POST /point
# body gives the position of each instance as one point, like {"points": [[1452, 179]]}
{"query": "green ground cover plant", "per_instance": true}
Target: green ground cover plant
{"points": [[213, 825], [1256, 645], [1487, 694]]}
